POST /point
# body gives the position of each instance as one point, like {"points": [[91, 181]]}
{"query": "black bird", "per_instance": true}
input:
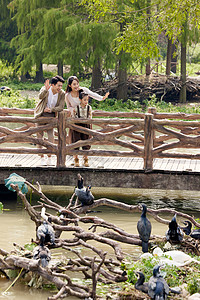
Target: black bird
{"points": [[158, 288], [187, 230], [84, 194], [144, 229], [43, 254], [141, 285], [174, 232], [195, 234], [46, 234]]}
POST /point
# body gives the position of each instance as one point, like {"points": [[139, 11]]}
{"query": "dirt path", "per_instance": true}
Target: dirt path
{"points": [[29, 94]]}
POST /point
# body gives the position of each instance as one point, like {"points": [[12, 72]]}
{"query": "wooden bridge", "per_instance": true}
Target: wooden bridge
{"points": [[134, 150]]}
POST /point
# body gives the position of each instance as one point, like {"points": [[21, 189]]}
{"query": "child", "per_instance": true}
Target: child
{"points": [[83, 110]]}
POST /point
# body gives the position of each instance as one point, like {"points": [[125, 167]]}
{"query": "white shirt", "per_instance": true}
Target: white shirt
{"points": [[52, 99], [72, 102]]}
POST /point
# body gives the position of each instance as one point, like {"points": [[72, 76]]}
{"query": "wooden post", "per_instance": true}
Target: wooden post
{"points": [[148, 142], [153, 111], [61, 156]]}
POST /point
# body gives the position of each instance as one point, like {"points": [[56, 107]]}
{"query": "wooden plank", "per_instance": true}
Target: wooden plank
{"points": [[165, 162]]}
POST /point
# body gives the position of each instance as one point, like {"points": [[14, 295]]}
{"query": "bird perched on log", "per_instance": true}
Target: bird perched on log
{"points": [[144, 229], [195, 234], [46, 234], [158, 288], [84, 194], [174, 232], [43, 254], [187, 230], [141, 285]]}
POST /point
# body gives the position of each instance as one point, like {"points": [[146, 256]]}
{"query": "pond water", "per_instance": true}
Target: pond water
{"points": [[15, 224]]}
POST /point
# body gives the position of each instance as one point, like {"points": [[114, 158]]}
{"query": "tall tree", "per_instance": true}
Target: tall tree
{"points": [[179, 19], [8, 30], [115, 12]]}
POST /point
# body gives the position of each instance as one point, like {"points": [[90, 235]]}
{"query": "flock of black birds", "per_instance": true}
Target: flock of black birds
{"points": [[174, 233], [45, 232], [157, 288]]}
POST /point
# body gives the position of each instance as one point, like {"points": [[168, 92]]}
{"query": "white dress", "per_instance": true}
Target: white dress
{"points": [[72, 102]]}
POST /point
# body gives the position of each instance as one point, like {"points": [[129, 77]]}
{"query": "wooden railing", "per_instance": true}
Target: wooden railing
{"points": [[151, 135]]}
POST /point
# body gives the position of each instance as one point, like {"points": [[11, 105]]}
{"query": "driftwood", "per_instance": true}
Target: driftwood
{"points": [[165, 88], [100, 266]]}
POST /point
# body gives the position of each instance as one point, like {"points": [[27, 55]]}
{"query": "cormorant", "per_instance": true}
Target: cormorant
{"points": [[158, 288], [174, 232], [45, 233], [84, 194], [195, 234], [187, 229], [144, 229], [43, 254], [141, 285]]}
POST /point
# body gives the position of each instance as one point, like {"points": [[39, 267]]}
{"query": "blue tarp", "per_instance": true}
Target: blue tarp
{"points": [[16, 179]]}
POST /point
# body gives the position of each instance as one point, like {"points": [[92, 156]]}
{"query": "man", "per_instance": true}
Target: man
{"points": [[52, 100]]}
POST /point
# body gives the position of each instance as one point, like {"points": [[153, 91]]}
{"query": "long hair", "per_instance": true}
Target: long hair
{"points": [[69, 82]]}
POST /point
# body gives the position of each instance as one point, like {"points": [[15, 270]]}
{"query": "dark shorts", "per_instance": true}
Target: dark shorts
{"points": [[77, 136]]}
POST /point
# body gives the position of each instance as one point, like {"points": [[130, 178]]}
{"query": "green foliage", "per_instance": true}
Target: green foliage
{"points": [[111, 104], [6, 71], [193, 285], [19, 85], [30, 246], [175, 276], [13, 99], [1, 206]]}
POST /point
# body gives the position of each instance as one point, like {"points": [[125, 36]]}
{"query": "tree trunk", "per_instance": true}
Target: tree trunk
{"points": [[174, 57], [25, 77], [39, 73], [122, 73], [96, 76], [122, 80], [148, 12], [60, 68], [169, 56], [183, 96], [148, 67]]}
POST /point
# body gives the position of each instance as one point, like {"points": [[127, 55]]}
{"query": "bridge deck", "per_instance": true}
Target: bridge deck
{"points": [[115, 163], [173, 174]]}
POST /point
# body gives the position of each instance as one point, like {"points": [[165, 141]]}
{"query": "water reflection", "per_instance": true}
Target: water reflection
{"points": [[188, 201]]}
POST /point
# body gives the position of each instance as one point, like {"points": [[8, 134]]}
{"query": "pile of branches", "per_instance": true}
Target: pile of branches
{"points": [[166, 88], [100, 266]]}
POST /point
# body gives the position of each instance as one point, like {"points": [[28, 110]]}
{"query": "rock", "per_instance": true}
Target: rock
{"points": [[195, 296]]}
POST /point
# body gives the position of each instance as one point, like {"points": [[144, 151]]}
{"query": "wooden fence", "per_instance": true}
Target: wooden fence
{"points": [[146, 135]]}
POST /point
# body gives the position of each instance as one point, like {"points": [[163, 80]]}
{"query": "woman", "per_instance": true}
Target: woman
{"points": [[72, 94]]}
